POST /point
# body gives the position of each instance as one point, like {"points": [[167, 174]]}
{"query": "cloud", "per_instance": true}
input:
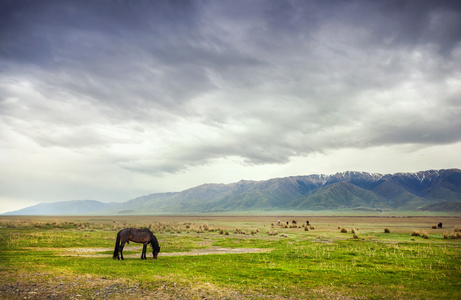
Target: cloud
{"points": [[162, 87]]}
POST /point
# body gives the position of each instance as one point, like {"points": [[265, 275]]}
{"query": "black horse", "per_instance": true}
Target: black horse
{"points": [[144, 236]]}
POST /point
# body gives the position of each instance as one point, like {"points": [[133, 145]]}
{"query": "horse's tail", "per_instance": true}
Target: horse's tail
{"points": [[117, 243]]}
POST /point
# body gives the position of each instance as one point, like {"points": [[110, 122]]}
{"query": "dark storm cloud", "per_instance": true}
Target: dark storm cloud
{"points": [[264, 81]]}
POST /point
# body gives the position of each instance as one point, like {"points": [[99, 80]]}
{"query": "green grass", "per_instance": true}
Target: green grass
{"points": [[320, 263]]}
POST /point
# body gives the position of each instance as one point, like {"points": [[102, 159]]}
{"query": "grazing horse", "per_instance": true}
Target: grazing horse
{"points": [[144, 236]]}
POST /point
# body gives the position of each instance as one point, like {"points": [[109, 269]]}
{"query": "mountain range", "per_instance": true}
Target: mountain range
{"points": [[432, 190]]}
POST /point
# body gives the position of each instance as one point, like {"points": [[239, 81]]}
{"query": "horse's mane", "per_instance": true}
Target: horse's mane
{"points": [[154, 240]]}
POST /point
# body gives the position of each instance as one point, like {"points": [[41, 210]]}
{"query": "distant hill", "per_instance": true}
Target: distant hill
{"points": [[433, 190], [75, 207], [443, 206]]}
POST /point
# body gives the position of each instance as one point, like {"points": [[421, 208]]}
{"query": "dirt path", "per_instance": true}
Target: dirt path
{"points": [[101, 252]]}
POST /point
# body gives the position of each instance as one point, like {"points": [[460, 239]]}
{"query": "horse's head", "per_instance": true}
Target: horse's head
{"points": [[155, 251]]}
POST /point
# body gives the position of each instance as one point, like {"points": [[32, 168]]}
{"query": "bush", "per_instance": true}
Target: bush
{"points": [[343, 230], [386, 230], [415, 233], [424, 235]]}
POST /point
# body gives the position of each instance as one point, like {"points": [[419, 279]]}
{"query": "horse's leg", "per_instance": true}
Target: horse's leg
{"points": [[144, 248], [121, 249]]}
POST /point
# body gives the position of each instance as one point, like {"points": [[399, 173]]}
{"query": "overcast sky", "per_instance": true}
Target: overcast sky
{"points": [[110, 100]]}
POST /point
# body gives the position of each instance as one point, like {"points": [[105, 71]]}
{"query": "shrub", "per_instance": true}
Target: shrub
{"points": [[445, 235], [355, 236], [386, 230], [306, 228], [312, 227], [425, 235], [415, 233], [434, 226], [343, 230]]}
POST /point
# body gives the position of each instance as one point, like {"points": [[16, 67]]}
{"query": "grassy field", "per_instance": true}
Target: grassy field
{"points": [[233, 257]]}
